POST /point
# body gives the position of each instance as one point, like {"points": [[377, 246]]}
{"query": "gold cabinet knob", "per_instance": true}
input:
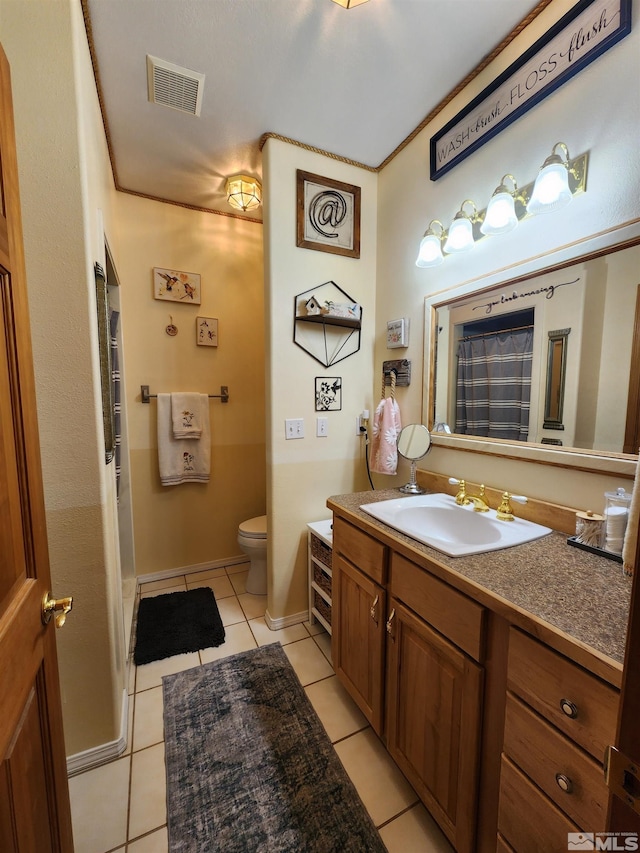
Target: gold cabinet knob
{"points": [[59, 606]]}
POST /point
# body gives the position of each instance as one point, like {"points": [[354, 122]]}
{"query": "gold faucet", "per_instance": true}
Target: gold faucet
{"points": [[479, 501]]}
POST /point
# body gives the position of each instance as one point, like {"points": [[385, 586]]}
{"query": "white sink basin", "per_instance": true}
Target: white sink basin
{"points": [[455, 530]]}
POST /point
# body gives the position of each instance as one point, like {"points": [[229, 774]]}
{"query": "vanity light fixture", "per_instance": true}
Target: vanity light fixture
{"points": [[559, 179], [500, 217], [460, 237], [243, 192], [551, 190], [430, 251]]}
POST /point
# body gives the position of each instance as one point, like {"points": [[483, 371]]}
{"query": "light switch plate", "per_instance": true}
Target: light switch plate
{"points": [[294, 428]]}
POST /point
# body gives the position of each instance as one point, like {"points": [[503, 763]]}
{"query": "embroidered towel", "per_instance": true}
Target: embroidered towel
{"points": [[188, 411], [631, 532], [183, 460], [386, 429]]}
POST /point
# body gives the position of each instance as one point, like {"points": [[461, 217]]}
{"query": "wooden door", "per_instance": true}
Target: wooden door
{"points": [[434, 696], [357, 641], [34, 798]]}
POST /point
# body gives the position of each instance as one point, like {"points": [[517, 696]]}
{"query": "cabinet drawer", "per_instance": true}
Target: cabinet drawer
{"points": [[366, 553], [544, 754], [527, 819], [579, 704], [453, 614]]}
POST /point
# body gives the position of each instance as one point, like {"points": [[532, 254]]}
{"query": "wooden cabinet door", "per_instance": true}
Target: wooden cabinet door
{"points": [[434, 695], [357, 642]]}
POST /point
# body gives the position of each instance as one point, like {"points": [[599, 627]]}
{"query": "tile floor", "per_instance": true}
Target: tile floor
{"points": [[120, 806]]}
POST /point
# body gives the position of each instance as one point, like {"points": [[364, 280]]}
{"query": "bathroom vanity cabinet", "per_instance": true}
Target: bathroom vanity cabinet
{"points": [[498, 721], [387, 655]]}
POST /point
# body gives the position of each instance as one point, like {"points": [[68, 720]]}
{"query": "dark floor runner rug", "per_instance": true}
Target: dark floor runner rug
{"points": [[175, 623], [250, 767]]}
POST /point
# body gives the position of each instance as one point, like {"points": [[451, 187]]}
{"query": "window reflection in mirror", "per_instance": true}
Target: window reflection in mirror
{"points": [[596, 299]]}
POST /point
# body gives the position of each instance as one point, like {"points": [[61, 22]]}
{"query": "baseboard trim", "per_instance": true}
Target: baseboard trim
{"points": [[189, 570], [286, 621], [104, 753]]}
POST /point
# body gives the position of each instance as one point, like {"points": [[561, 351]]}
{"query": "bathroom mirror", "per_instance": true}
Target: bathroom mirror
{"points": [[596, 296], [414, 442]]}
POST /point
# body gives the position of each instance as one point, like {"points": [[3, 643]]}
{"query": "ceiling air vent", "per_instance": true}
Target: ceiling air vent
{"points": [[173, 86]]}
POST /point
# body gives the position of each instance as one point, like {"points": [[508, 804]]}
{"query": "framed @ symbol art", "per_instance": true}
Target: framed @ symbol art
{"points": [[327, 215]]}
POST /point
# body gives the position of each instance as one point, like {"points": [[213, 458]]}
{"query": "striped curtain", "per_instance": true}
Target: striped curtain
{"points": [[494, 385]]}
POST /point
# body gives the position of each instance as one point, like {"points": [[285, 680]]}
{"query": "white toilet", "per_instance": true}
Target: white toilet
{"points": [[252, 539]]}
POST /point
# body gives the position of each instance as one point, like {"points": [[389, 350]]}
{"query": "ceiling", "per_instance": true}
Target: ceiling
{"points": [[352, 82]]}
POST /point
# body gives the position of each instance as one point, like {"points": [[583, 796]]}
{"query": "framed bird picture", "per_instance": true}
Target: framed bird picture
{"points": [[176, 286]]}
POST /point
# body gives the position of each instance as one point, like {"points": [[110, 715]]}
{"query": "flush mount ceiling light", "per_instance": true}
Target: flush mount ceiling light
{"points": [[243, 192], [460, 237], [551, 190], [349, 4], [559, 179], [430, 251], [500, 217]]}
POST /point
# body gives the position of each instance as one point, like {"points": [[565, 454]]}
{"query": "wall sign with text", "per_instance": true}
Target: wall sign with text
{"points": [[579, 37]]}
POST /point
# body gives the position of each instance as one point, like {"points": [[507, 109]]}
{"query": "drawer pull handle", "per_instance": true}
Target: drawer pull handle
{"points": [[568, 708], [564, 783], [373, 611], [390, 621]]}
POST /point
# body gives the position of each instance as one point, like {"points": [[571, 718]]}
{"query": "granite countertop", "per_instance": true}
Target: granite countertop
{"points": [[583, 595]]}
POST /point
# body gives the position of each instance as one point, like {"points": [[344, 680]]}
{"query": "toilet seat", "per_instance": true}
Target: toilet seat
{"points": [[254, 528]]}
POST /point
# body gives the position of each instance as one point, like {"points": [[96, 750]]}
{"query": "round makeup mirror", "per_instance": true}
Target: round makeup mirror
{"points": [[414, 442]]}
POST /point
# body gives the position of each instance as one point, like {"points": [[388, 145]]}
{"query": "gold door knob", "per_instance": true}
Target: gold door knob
{"points": [[59, 606]]}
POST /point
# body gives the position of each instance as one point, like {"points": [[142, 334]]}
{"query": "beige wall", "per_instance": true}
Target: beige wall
{"points": [[585, 116], [302, 473], [193, 523], [66, 192]]}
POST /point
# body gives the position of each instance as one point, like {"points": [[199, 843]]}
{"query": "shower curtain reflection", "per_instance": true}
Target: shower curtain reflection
{"points": [[493, 387]]}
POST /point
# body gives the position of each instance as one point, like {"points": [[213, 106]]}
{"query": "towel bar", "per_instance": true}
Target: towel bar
{"points": [[145, 396]]}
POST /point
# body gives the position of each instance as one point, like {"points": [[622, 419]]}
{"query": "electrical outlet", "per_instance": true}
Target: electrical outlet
{"points": [[322, 427], [294, 428]]}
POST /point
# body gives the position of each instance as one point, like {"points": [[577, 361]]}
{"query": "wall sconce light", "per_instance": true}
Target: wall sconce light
{"points": [[243, 192], [349, 4], [551, 190], [500, 217], [460, 237], [557, 182], [430, 251]]}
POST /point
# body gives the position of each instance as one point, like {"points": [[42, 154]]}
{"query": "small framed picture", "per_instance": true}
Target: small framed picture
{"points": [[328, 393], [206, 331], [176, 286], [327, 215], [398, 333]]}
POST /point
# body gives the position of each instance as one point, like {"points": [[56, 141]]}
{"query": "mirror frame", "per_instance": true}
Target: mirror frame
{"points": [[603, 462]]}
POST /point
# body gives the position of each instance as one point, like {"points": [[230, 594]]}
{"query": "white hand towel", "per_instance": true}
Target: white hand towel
{"points": [[188, 411], [386, 429], [184, 460], [631, 532]]}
